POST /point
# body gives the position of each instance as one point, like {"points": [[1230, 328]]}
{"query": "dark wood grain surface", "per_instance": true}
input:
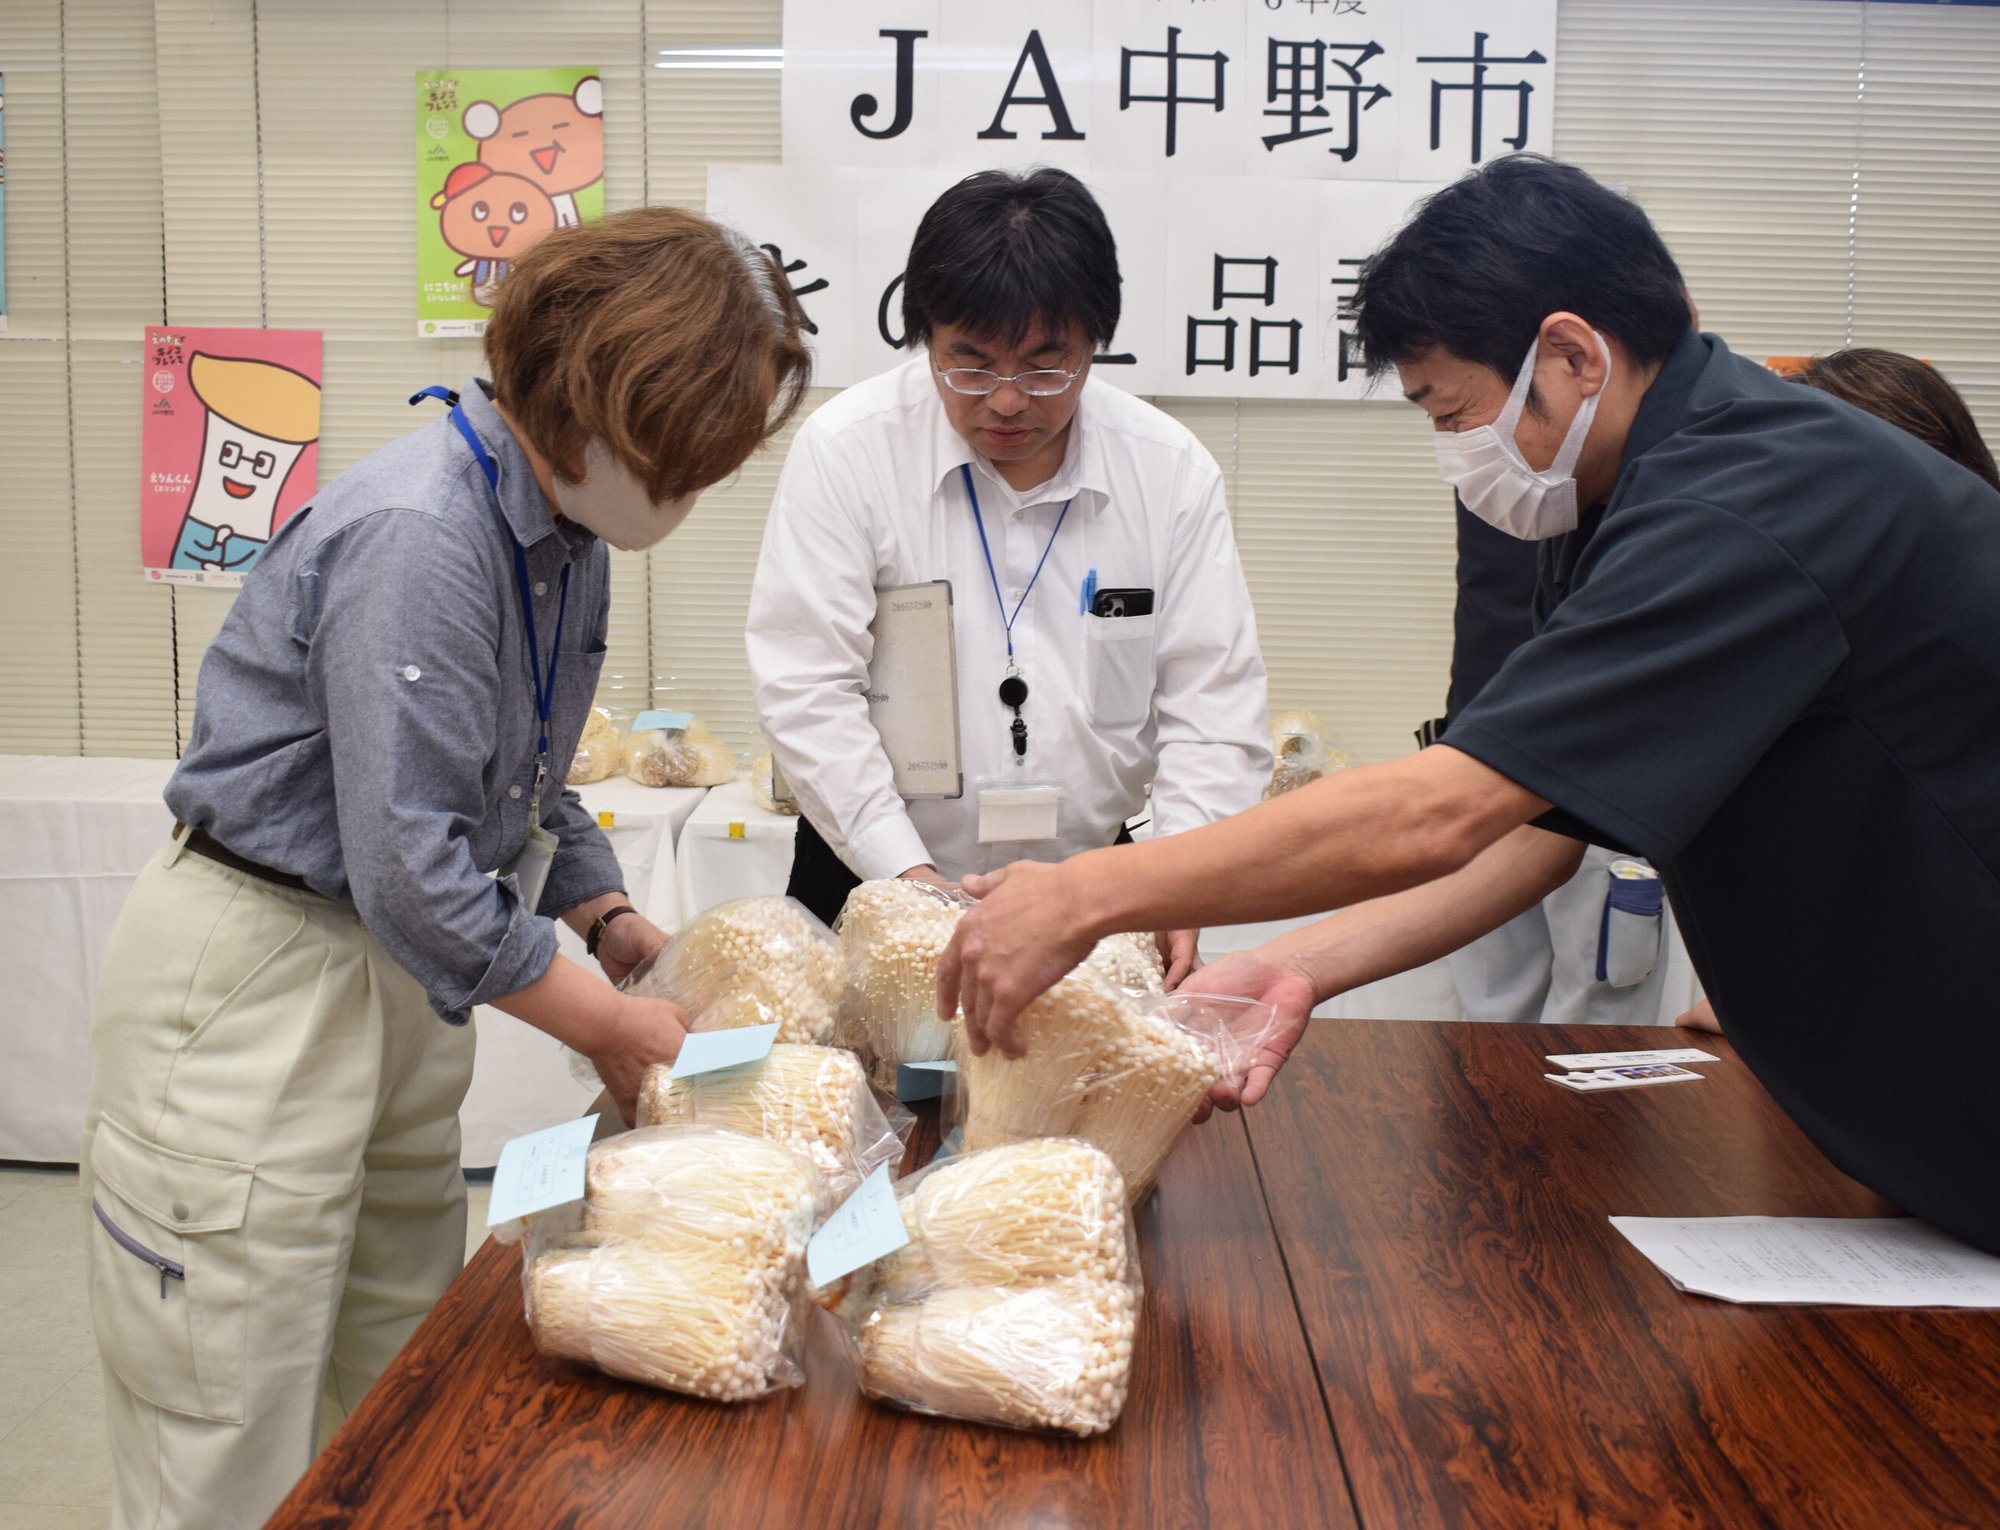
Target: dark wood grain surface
{"points": [[1225, 1423], [1494, 1353]]}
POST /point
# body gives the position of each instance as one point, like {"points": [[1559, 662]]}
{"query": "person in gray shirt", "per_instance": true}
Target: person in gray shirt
{"points": [[374, 836]]}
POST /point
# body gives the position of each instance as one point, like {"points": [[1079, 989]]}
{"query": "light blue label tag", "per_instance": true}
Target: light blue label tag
{"points": [[662, 722], [866, 1227], [540, 1170], [710, 1051], [947, 1066]]}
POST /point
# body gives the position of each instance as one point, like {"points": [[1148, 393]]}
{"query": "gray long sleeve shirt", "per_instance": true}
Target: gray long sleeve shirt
{"points": [[366, 716]]}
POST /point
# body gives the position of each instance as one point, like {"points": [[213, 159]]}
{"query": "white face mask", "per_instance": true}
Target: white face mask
{"points": [[1485, 465], [611, 502]]}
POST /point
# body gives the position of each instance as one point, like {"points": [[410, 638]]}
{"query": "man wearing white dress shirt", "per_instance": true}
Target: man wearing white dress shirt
{"points": [[993, 459]]}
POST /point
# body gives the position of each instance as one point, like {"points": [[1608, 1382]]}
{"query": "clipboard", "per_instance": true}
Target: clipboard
{"points": [[913, 688]]}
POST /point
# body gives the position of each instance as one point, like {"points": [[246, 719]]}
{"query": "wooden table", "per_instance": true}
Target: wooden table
{"points": [[1393, 1301]]}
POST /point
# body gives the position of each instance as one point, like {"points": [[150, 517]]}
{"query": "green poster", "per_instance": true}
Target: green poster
{"points": [[503, 157]]}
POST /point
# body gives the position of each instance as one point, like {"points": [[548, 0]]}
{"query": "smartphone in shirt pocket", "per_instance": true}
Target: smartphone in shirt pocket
{"points": [[1120, 626]]}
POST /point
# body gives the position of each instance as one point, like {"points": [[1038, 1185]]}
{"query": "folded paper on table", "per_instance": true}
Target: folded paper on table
{"points": [[1831, 1261]]}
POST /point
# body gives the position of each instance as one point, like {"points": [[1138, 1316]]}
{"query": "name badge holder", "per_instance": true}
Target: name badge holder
{"points": [[1017, 811]]}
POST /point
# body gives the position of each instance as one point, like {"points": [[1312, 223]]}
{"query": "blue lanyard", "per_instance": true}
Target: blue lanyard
{"points": [[545, 694], [985, 547]]}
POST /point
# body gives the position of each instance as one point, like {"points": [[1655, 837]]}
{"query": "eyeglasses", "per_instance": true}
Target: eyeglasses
{"points": [[978, 382]]}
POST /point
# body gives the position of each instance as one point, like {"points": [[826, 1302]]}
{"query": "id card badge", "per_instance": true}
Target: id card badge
{"points": [[1015, 812], [530, 869]]}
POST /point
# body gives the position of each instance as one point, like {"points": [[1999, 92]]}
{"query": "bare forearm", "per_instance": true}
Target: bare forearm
{"points": [[1385, 936], [1356, 836], [579, 1010]]}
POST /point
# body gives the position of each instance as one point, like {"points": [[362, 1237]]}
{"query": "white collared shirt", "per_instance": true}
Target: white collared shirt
{"points": [[872, 496]]}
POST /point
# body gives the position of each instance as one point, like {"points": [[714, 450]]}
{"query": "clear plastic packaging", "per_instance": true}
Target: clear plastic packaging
{"points": [[812, 1100], [684, 1266], [1128, 1075], [748, 962], [1066, 1031], [892, 933], [690, 756], [763, 786], [1300, 752], [599, 751], [1015, 1301]]}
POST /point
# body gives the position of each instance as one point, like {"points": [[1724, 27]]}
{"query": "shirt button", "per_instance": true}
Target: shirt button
{"points": [[1013, 594], [541, 587], [180, 1211], [411, 672], [514, 792]]}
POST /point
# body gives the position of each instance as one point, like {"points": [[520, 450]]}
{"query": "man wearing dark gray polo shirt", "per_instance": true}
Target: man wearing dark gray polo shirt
{"points": [[1769, 662]]}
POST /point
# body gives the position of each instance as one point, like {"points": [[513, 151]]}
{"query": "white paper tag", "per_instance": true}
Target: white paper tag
{"points": [[530, 869], [712, 1051], [1630, 1059], [1009, 814], [867, 1226], [540, 1170]]}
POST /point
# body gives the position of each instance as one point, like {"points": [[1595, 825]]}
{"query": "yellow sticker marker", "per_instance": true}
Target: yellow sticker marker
{"points": [[736, 829], [606, 819]]}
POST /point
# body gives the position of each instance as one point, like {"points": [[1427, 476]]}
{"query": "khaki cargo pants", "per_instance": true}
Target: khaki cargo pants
{"points": [[271, 1171]]}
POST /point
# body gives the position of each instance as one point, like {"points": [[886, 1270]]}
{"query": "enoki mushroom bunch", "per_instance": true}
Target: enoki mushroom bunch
{"points": [[892, 933], [598, 751], [813, 1100], [1124, 1071], [1015, 1300], [749, 962], [688, 1271], [1129, 961]]}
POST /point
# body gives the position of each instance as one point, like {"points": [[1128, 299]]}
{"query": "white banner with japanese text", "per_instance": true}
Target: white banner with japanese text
{"points": [[1233, 287], [1248, 154]]}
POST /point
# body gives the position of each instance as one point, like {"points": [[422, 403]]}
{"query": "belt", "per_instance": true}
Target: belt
{"points": [[202, 843]]}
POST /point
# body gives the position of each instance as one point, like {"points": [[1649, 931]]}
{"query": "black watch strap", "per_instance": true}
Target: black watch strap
{"points": [[601, 923]]}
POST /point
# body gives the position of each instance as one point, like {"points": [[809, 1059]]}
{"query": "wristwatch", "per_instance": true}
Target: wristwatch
{"points": [[598, 925]]}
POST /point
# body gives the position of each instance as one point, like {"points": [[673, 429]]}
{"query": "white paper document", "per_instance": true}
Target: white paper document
{"points": [[1824, 1261]]}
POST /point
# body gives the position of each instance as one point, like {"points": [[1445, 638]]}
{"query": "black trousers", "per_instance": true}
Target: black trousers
{"points": [[820, 879]]}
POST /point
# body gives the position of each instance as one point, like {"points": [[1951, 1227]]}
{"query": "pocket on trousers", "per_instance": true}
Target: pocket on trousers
{"points": [[1121, 669], [169, 1272]]}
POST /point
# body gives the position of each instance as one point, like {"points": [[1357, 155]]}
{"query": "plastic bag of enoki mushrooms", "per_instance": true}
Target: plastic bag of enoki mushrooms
{"points": [[1127, 1071], [891, 934], [1300, 753], [1015, 1300], [813, 1100], [688, 755], [683, 1267], [599, 750], [748, 962]]}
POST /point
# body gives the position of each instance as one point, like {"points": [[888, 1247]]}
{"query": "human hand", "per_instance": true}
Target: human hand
{"points": [[626, 942], [930, 876], [649, 1031], [1017, 942], [1286, 988], [1178, 951], [1701, 1018]]}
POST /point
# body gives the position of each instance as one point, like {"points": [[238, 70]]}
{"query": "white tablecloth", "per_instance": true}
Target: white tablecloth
{"points": [[74, 833], [732, 848]]}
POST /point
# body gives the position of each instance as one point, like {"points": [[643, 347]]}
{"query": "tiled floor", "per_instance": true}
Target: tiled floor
{"points": [[55, 1468]]}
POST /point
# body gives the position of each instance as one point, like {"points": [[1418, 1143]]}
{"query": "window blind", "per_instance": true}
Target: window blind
{"points": [[1826, 171]]}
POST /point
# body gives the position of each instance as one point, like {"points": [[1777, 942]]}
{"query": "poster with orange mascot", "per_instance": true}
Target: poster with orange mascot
{"points": [[504, 156], [228, 449]]}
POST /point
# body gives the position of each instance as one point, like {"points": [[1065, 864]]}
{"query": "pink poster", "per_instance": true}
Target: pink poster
{"points": [[229, 448]]}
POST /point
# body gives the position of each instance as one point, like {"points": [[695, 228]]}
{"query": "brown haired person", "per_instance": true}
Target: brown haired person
{"points": [[1908, 393], [374, 837]]}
